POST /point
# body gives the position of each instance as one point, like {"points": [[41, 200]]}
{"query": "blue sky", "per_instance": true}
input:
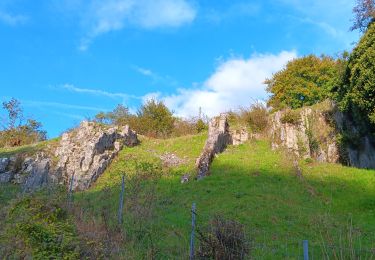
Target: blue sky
{"points": [[66, 60]]}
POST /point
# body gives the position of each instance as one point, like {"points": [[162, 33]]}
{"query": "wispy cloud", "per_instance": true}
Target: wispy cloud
{"points": [[326, 27], [97, 92], [155, 76], [42, 104], [100, 17], [12, 19]]}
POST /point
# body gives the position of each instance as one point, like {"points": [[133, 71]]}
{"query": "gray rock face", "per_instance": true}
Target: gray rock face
{"points": [[4, 162], [87, 151], [39, 175], [218, 139], [6, 177], [311, 136], [314, 135], [84, 152]]}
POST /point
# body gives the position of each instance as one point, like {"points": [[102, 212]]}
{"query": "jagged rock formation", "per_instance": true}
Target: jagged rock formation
{"points": [[84, 152], [312, 132], [87, 151], [307, 133], [217, 141]]}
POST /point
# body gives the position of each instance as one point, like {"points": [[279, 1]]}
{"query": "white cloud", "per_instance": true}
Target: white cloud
{"points": [[112, 15], [11, 19], [97, 92], [236, 82]]}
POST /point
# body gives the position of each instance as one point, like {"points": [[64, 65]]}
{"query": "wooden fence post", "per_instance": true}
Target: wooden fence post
{"points": [[121, 205]]}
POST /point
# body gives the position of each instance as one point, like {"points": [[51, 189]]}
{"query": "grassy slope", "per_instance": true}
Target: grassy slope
{"points": [[28, 149], [255, 186], [248, 183]]}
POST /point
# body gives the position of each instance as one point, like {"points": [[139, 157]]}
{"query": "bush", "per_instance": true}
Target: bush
{"points": [[223, 239], [303, 82], [290, 117], [37, 226], [154, 119], [256, 116], [200, 125]]}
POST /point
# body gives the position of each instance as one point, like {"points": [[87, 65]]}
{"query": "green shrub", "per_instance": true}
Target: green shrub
{"points": [[256, 117], [291, 117], [37, 226]]}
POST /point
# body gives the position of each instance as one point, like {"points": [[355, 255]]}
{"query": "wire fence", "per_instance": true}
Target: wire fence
{"points": [[161, 238]]}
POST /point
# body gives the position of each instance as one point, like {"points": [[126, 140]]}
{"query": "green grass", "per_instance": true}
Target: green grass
{"points": [[28, 149], [250, 183], [255, 186]]}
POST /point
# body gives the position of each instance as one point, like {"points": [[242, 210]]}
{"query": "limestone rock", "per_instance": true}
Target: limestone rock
{"points": [[6, 177], [39, 175], [310, 136], [314, 135], [171, 160], [218, 139], [87, 151], [238, 137], [4, 162]]}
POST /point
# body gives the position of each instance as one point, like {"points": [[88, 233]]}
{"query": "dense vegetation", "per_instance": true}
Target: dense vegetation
{"points": [[153, 119], [357, 92], [303, 82]]}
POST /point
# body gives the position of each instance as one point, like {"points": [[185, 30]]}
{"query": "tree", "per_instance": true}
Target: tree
{"points": [[304, 81], [357, 93], [15, 113], [155, 119], [119, 116], [15, 132], [364, 14]]}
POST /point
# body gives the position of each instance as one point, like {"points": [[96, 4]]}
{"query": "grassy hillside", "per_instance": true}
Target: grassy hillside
{"points": [[330, 205]]}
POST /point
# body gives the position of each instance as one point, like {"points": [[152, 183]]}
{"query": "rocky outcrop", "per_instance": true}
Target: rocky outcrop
{"points": [[306, 133], [312, 132], [217, 141], [87, 151], [83, 153], [39, 175]]}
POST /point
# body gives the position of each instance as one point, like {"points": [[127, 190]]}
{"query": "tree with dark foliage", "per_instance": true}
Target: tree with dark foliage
{"points": [[364, 14]]}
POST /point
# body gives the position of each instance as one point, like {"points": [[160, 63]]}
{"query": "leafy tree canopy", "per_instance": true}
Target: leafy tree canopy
{"points": [[357, 93], [304, 81]]}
